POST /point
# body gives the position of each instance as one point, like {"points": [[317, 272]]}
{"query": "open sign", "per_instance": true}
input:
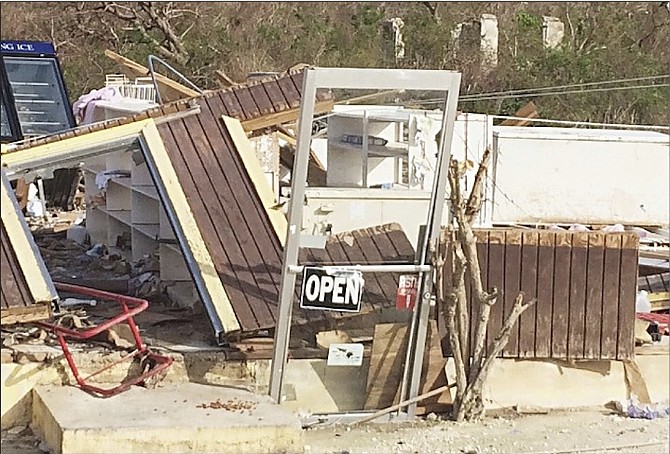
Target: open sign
{"points": [[331, 290]]}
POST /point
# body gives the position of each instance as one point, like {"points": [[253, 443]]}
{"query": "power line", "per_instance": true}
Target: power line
{"points": [[556, 87], [564, 92]]}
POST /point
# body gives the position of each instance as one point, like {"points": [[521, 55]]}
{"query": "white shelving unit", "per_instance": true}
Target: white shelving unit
{"points": [[129, 208], [373, 147]]}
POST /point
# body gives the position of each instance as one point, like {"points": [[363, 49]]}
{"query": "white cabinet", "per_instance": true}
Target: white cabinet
{"points": [[127, 215]]}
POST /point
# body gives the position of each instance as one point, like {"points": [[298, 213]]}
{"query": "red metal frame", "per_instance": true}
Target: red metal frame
{"points": [[129, 307]]}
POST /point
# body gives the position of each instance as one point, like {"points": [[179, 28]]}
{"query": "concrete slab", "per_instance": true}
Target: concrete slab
{"points": [[180, 418]]}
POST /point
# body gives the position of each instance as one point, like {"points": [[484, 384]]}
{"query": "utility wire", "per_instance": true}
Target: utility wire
{"points": [[518, 91], [586, 84], [564, 92]]}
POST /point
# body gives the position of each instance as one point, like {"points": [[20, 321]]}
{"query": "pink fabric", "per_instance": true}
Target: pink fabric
{"points": [[84, 107]]}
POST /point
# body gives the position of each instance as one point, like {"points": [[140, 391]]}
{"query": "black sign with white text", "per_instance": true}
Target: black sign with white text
{"points": [[331, 291]]}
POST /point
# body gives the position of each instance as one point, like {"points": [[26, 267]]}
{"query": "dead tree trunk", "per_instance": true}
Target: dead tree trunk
{"points": [[472, 362]]}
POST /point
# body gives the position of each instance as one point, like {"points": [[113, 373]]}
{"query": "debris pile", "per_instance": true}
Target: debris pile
{"points": [[234, 405]]}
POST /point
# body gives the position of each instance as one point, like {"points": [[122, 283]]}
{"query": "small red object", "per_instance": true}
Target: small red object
{"points": [[129, 307], [662, 320], [407, 291]]}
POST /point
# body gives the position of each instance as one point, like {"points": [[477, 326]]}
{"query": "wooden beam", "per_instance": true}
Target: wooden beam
{"points": [[224, 80], [255, 171], [527, 111], [284, 117], [170, 89], [28, 314]]}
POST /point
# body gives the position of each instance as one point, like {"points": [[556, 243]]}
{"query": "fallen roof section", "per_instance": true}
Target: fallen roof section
{"points": [[258, 105], [26, 287]]}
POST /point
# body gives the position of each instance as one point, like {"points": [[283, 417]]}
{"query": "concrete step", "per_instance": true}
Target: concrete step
{"points": [[174, 419]]}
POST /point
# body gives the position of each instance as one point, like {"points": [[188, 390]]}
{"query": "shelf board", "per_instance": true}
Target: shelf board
{"points": [[122, 216], [173, 247], [121, 181], [390, 150], [149, 230], [147, 190]]}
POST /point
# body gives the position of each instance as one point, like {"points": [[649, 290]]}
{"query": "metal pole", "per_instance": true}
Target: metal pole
{"points": [[292, 245], [297, 269], [433, 232]]}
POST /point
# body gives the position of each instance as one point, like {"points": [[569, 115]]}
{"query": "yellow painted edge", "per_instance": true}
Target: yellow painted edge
{"points": [[90, 140], [255, 171], [39, 288], [196, 244]]}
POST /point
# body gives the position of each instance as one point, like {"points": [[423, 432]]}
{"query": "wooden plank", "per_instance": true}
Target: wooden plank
{"points": [[171, 90], [527, 333], [373, 288], [594, 296], [231, 211], [433, 375], [297, 80], [28, 314], [213, 222], [165, 167], [577, 302], [512, 286], [496, 278], [230, 103], [261, 98], [255, 172], [627, 289], [387, 359], [545, 293], [610, 310], [275, 95], [249, 107], [561, 302], [399, 240], [388, 284], [291, 93], [285, 116]]}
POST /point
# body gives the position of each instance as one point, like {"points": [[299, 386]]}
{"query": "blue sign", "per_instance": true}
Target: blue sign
{"points": [[35, 48]]}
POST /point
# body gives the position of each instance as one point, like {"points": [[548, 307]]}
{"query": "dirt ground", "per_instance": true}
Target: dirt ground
{"points": [[592, 430]]}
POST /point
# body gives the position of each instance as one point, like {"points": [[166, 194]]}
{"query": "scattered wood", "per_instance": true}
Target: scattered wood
{"points": [[325, 338], [404, 403], [389, 347], [286, 116], [635, 382], [170, 89], [527, 111], [224, 80]]}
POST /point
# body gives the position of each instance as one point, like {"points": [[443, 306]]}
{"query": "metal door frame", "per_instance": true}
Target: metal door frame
{"points": [[354, 78]]}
